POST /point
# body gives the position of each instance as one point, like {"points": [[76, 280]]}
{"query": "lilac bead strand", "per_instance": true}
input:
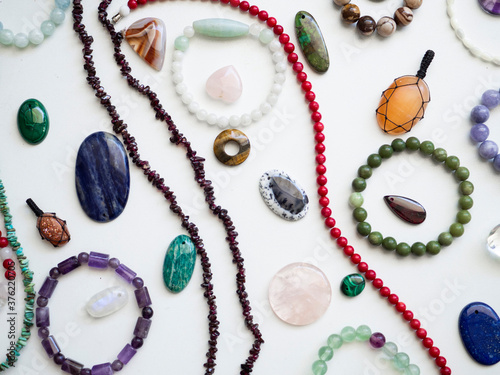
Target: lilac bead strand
{"points": [[479, 132], [97, 261]]}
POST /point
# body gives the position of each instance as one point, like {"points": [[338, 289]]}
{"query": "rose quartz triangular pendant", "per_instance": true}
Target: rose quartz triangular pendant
{"points": [[225, 84], [147, 37]]}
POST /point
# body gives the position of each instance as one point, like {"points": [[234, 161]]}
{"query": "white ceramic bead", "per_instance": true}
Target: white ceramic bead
{"points": [[181, 88], [272, 99], [276, 88], [255, 29], [177, 78], [246, 119], [188, 31], [222, 122], [256, 115], [187, 98], [193, 107], [275, 46], [124, 11], [265, 108], [107, 302], [201, 114], [6, 253], [280, 67], [278, 56], [212, 119], [178, 55], [234, 121], [279, 78], [176, 67]]}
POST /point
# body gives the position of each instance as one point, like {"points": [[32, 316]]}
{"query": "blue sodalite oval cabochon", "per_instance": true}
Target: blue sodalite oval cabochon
{"points": [[102, 176], [479, 327]]}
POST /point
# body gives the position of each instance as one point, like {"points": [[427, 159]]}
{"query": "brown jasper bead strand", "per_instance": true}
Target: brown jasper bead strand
{"points": [[350, 13], [385, 26], [403, 16], [366, 25]]}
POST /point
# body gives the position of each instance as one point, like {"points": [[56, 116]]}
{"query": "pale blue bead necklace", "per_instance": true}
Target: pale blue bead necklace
{"points": [[36, 36]]}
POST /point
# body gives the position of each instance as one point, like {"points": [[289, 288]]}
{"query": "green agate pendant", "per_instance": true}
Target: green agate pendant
{"points": [[179, 263], [353, 285], [311, 41], [33, 121]]}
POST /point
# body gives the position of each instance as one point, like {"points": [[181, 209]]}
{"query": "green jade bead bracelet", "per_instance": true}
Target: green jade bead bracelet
{"points": [[440, 156], [399, 360]]}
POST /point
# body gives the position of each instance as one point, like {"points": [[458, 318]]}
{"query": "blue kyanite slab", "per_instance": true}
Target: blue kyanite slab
{"points": [[479, 327], [102, 177]]}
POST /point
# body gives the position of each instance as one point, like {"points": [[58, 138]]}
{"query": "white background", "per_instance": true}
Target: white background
{"points": [[435, 288]]}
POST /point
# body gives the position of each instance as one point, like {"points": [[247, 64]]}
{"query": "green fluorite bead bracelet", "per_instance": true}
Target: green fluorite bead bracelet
{"points": [[439, 155], [399, 360]]}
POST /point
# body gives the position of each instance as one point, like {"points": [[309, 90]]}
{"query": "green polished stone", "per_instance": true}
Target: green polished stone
{"points": [[352, 285], [220, 28], [319, 367], [335, 341], [325, 353], [33, 121], [311, 41], [179, 263], [363, 333]]}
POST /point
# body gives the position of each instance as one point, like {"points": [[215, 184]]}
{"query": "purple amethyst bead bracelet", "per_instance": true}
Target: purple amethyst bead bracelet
{"points": [[98, 261], [479, 133]]}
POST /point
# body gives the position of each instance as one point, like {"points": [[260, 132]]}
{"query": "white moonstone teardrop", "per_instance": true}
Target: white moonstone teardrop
{"points": [[107, 302], [225, 84]]}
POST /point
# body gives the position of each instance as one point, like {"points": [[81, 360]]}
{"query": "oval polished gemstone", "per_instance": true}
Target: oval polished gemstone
{"points": [[107, 302], [102, 177], [479, 327], [490, 6], [311, 41], [407, 209], [53, 229], [220, 28], [179, 263], [403, 104], [147, 37], [283, 195], [352, 285], [33, 121]]}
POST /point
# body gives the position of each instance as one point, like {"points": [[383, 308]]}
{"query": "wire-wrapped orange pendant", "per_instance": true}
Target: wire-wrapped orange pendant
{"points": [[50, 227], [403, 104]]}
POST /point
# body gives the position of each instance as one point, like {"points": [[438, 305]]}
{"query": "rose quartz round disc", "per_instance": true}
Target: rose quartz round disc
{"points": [[299, 294]]}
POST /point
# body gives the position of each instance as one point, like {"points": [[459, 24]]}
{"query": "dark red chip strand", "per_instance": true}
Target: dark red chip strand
{"points": [[154, 177]]}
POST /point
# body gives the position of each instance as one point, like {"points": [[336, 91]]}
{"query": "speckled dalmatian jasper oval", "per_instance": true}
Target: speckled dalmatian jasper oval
{"points": [[283, 195]]}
